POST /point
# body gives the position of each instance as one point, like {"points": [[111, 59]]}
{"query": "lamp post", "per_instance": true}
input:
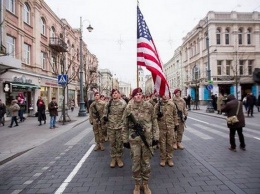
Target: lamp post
{"points": [[82, 109]]}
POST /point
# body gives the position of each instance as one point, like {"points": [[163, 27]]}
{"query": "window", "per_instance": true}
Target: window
{"points": [[10, 6], [240, 36], [52, 34], [219, 67], [248, 36], [218, 34], [196, 72], [43, 26], [26, 13], [43, 60], [250, 67], [26, 53], [227, 37], [228, 65], [10, 44], [241, 67], [53, 64]]}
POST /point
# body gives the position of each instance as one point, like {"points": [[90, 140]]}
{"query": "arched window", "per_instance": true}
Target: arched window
{"points": [[248, 36], [26, 13], [196, 72], [43, 26], [227, 36], [52, 34], [218, 36], [240, 36]]}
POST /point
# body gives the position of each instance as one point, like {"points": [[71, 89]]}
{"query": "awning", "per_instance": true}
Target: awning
{"points": [[8, 62], [24, 85]]}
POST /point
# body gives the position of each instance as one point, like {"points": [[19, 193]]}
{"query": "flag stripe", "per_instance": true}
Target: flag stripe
{"points": [[148, 56]]}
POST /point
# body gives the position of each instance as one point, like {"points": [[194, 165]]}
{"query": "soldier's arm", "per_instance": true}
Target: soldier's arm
{"points": [[155, 127], [91, 113], [125, 130], [175, 115], [185, 112]]}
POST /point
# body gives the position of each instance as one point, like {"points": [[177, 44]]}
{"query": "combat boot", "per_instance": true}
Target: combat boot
{"points": [[102, 148], [162, 163], [119, 162], [180, 146], [175, 146], [146, 188], [170, 162], [113, 163], [97, 147], [137, 189]]}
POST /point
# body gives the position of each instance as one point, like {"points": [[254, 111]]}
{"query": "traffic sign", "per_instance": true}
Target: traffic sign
{"points": [[209, 87], [63, 79]]}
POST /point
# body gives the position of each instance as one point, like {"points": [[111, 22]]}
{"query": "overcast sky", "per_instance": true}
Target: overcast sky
{"points": [[113, 39]]}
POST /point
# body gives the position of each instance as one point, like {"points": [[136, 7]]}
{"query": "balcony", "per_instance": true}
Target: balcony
{"points": [[58, 44]]}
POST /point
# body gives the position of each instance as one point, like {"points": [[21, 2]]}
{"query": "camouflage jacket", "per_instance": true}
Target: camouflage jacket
{"points": [[100, 105], [181, 105], [143, 113], [169, 118], [114, 110]]}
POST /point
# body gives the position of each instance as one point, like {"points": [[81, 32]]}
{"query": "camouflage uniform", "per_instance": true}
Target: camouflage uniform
{"points": [[166, 123], [181, 105], [143, 112], [97, 125], [114, 126]]}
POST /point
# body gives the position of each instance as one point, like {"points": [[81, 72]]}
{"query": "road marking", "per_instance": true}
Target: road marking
{"points": [[28, 182], [77, 138], [198, 120], [211, 130], [198, 133], [63, 186], [257, 138]]}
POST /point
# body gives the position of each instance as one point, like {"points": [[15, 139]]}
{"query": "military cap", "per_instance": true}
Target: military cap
{"points": [[135, 91], [176, 90]]}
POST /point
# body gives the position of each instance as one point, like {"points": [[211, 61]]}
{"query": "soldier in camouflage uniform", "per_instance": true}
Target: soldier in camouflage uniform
{"points": [[96, 111], [113, 117], [143, 112], [167, 118], [182, 116]]}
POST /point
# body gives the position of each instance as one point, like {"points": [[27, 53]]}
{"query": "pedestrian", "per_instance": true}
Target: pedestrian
{"points": [[112, 117], [2, 113], [231, 108], [258, 103], [251, 101], [188, 99], [96, 111], [214, 101], [21, 103], [219, 103], [72, 105], [53, 110], [245, 102], [146, 122], [14, 108], [167, 119], [41, 110], [182, 116]]}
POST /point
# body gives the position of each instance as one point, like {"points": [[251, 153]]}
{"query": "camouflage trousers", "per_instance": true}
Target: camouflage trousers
{"points": [[116, 144], [98, 133], [179, 132], [141, 157], [166, 139]]}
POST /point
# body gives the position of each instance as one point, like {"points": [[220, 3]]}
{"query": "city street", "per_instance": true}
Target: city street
{"points": [[63, 161]]}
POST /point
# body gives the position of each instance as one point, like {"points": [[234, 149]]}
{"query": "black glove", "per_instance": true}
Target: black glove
{"points": [[159, 114], [176, 127], [127, 145], [105, 119], [155, 142], [91, 123], [185, 118]]}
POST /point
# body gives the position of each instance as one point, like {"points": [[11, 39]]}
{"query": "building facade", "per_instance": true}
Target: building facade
{"points": [[46, 46]]}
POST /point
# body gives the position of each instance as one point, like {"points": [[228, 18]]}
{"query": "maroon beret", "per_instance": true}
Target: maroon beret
{"points": [[135, 91], [176, 90]]}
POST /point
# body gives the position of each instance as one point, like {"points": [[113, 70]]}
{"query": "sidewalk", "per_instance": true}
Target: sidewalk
{"points": [[17, 140]]}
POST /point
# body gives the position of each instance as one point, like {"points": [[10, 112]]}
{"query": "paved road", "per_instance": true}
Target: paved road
{"points": [[67, 164]]}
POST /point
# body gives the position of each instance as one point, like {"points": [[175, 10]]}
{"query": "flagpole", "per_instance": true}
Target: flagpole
{"points": [[137, 74]]}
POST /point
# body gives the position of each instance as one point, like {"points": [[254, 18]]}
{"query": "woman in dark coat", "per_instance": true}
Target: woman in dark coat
{"points": [[41, 111], [231, 108]]}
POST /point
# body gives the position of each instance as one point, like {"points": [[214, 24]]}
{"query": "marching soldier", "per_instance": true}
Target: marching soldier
{"points": [[96, 111], [182, 116], [140, 133], [167, 121], [113, 118]]}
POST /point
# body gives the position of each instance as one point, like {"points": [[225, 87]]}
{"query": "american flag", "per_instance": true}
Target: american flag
{"points": [[147, 56]]}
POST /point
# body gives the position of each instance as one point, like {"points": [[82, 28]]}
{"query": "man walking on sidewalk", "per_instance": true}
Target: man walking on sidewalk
{"points": [[53, 109], [14, 108]]}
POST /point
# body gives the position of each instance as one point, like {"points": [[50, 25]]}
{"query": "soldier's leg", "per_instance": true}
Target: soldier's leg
{"points": [[146, 168], [112, 141], [162, 142], [169, 146], [179, 135], [119, 148], [96, 136], [136, 159], [101, 137]]}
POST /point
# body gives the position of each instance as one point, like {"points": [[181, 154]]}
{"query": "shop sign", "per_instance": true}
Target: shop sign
{"points": [[22, 79]]}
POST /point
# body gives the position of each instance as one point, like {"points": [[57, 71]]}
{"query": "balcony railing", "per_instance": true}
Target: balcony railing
{"points": [[58, 44]]}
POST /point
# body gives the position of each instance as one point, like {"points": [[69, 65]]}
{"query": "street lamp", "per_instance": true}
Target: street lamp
{"points": [[82, 109]]}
